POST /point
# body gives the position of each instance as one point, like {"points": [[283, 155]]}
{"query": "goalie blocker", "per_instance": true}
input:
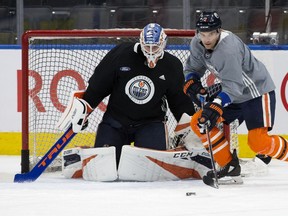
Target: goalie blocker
{"points": [[75, 114]]}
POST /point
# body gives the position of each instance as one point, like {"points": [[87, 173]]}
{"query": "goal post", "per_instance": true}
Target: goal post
{"points": [[56, 62]]}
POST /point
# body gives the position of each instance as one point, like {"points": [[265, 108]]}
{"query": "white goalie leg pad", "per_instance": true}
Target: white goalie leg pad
{"points": [[189, 138], [253, 167], [99, 164], [75, 113], [71, 163], [141, 164]]}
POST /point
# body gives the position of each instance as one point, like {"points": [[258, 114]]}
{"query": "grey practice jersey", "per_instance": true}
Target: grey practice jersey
{"points": [[242, 76]]}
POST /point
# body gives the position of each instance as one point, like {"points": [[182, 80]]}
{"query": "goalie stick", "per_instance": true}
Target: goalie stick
{"points": [[46, 160]]}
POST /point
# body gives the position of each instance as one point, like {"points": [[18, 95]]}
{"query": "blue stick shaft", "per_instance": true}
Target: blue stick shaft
{"points": [[46, 160]]}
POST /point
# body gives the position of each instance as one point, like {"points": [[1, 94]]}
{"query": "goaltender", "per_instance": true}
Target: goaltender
{"points": [[140, 79]]}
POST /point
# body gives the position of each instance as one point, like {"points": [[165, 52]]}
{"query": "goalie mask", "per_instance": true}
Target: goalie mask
{"points": [[153, 41]]}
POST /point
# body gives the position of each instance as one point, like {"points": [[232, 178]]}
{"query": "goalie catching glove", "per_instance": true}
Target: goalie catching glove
{"points": [[76, 113], [210, 114]]}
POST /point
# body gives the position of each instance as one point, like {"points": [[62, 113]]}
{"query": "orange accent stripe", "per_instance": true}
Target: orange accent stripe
{"points": [[221, 150], [86, 161], [180, 172], [79, 94], [187, 85], [266, 110], [77, 174], [215, 136], [181, 126], [218, 109], [283, 149]]}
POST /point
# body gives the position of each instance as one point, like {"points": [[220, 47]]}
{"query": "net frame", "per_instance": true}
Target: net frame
{"points": [[230, 130], [29, 36]]}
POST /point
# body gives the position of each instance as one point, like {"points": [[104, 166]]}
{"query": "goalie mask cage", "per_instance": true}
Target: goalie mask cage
{"points": [[55, 63]]}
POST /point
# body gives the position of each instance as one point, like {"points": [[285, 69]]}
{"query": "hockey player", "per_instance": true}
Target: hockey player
{"points": [[140, 78], [247, 93]]}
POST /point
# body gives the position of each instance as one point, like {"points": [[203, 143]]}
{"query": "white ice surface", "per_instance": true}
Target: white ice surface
{"points": [[53, 195]]}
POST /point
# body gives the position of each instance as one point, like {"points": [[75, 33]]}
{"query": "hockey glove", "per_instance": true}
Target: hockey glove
{"points": [[210, 114], [194, 89], [76, 113]]}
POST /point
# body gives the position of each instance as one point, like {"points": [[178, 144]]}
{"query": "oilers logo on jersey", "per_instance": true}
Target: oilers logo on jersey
{"points": [[140, 89]]}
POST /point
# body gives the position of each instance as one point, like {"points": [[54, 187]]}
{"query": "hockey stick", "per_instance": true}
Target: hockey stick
{"points": [[46, 160], [207, 180], [210, 181]]}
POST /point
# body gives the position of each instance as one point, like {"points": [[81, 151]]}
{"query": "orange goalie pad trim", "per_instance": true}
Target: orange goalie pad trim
{"points": [[85, 161], [180, 172], [79, 94], [77, 174], [180, 127]]}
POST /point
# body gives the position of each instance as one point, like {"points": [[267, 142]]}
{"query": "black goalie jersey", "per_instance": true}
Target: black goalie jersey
{"points": [[137, 92]]}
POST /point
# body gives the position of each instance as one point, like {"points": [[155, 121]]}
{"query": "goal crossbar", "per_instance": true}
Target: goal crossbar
{"points": [[30, 36]]}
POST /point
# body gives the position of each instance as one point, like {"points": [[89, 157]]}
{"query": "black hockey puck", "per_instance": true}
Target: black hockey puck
{"points": [[190, 193]]}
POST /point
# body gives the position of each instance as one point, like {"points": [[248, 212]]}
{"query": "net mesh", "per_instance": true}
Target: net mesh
{"points": [[59, 65]]}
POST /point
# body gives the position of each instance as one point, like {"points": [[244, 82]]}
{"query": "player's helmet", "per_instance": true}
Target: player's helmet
{"points": [[153, 41], [208, 21]]}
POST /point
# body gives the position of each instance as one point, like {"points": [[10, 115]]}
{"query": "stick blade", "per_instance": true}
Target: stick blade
{"points": [[25, 177], [211, 182], [46, 160]]}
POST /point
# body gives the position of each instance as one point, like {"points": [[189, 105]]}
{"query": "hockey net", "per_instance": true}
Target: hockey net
{"points": [[55, 63]]}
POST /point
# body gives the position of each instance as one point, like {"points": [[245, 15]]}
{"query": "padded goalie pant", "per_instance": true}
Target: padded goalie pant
{"points": [[149, 135]]}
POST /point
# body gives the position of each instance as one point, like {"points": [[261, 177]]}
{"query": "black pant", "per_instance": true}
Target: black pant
{"points": [[148, 135]]}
